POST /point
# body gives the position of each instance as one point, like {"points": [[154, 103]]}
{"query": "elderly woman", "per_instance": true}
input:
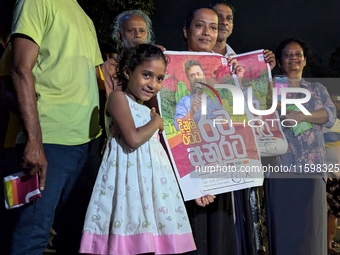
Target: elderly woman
{"points": [[296, 200]]}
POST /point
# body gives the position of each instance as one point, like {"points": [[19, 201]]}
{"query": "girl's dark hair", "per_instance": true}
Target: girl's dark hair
{"points": [[191, 14], [285, 42], [135, 56]]}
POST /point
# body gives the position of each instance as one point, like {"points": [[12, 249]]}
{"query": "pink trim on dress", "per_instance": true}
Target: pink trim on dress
{"points": [[136, 244]]}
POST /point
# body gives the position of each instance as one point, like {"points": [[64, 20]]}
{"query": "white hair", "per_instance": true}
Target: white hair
{"points": [[118, 24]]}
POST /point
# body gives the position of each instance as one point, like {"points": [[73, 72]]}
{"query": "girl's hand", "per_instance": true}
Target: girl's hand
{"points": [[205, 200], [155, 116]]}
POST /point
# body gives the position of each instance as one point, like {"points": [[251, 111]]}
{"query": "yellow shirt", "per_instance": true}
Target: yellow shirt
{"points": [[65, 77]]}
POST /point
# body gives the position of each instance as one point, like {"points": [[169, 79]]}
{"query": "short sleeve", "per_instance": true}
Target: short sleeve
{"points": [[30, 19]]}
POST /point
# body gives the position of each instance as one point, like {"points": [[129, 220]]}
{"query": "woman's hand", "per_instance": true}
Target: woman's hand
{"points": [[235, 68], [161, 47], [205, 200], [269, 57], [294, 115]]}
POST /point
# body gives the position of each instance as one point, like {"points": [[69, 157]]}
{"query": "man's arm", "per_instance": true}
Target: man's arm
{"points": [[25, 53]]}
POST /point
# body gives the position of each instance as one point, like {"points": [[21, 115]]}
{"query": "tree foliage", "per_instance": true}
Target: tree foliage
{"points": [[103, 12]]}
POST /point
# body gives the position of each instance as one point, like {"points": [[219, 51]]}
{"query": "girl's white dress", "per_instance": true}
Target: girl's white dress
{"points": [[136, 205]]}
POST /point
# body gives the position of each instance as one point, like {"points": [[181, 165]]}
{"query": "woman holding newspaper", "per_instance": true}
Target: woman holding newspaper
{"points": [[212, 225], [296, 196]]}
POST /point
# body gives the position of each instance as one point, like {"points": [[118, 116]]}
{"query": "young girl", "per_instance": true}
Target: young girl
{"points": [[136, 206]]}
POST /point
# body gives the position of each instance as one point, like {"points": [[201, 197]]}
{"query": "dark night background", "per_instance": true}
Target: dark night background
{"points": [[262, 24]]}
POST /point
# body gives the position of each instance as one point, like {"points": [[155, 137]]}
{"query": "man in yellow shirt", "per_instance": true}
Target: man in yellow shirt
{"points": [[9, 122], [55, 52]]}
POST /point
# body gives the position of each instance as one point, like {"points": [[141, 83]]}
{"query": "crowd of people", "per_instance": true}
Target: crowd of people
{"points": [[126, 200]]}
